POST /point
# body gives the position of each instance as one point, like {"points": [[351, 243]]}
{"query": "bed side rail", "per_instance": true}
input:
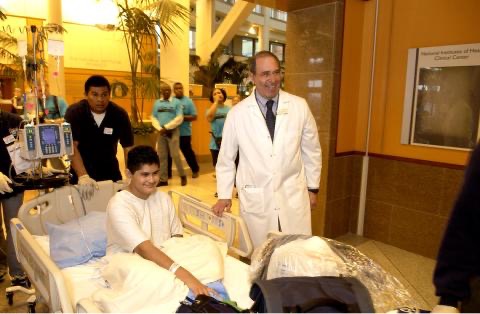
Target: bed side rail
{"points": [[44, 274], [199, 218], [86, 305], [62, 205]]}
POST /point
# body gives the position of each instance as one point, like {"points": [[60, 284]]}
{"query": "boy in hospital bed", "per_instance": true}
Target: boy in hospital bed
{"points": [[140, 218]]}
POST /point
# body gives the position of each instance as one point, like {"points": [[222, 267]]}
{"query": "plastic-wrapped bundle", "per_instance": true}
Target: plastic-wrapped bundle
{"points": [[300, 255], [312, 256]]}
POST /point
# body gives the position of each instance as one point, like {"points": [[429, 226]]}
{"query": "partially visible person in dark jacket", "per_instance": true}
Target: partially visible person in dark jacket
{"points": [[11, 198], [457, 274]]}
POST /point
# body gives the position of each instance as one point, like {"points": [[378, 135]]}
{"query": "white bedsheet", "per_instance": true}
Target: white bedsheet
{"points": [[83, 280]]}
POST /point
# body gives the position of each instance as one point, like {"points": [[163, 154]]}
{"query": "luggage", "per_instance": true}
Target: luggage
{"points": [[206, 304], [311, 295]]}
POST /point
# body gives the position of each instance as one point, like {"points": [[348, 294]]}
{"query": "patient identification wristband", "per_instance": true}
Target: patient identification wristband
{"points": [[173, 268]]}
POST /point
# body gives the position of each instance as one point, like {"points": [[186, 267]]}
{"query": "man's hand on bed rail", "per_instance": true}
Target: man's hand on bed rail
{"points": [[221, 206]]}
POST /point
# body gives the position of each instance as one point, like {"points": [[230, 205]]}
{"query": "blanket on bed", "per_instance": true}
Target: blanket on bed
{"points": [[139, 285]]}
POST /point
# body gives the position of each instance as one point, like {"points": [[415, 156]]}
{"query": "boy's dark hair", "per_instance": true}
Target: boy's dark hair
{"points": [[96, 81], [224, 93], [258, 55], [141, 155]]}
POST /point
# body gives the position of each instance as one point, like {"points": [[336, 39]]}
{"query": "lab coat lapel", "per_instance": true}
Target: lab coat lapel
{"points": [[258, 120], [255, 110]]}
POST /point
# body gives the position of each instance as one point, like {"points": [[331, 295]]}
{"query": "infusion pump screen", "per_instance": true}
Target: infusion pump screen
{"points": [[49, 136]]}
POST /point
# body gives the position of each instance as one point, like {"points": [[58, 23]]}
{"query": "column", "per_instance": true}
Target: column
{"points": [[56, 71], [174, 57], [314, 39], [264, 32], [205, 15]]}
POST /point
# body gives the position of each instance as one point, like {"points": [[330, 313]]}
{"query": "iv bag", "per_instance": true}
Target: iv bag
{"points": [[30, 107]]}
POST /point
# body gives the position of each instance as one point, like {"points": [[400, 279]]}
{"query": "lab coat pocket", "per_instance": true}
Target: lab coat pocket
{"points": [[251, 200]]}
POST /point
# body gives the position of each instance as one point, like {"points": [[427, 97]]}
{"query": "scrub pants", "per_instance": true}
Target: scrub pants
{"points": [[188, 153], [10, 208], [165, 145]]}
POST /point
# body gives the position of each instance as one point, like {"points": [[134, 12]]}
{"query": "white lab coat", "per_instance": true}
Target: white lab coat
{"points": [[272, 178]]}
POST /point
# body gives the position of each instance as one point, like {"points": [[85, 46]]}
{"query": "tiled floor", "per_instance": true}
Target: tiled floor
{"points": [[413, 271]]}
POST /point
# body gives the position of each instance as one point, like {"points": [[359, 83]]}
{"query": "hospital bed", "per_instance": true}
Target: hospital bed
{"points": [[69, 289]]}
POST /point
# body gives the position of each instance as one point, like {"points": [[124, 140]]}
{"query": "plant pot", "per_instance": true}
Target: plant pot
{"points": [[149, 139]]}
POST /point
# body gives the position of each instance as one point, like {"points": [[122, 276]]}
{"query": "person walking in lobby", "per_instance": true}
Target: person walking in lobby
{"points": [[189, 115], [167, 116], [280, 159]]}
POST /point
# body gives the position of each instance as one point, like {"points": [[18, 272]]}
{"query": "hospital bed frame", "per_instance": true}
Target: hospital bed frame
{"points": [[65, 204]]}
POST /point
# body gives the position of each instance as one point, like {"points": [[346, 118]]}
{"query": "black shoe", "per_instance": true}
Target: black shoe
{"points": [[216, 194], [195, 175], [162, 183], [183, 180], [20, 280]]}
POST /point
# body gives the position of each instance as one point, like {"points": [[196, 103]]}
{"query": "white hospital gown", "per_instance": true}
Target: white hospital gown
{"points": [[132, 220]]}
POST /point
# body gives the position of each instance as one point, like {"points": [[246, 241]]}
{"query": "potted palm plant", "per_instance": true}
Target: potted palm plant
{"points": [[12, 65], [145, 24]]}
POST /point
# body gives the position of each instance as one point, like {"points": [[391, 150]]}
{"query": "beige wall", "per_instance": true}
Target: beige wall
{"points": [[88, 47]]}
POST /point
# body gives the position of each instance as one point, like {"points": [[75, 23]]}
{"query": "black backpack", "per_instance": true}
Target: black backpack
{"points": [[310, 295], [205, 304]]}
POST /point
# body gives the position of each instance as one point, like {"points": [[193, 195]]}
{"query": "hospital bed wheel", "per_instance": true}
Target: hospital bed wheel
{"points": [[31, 307], [9, 296]]}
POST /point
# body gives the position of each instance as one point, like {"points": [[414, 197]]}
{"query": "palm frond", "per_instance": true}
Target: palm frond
{"points": [[145, 23], [8, 55], [7, 40], [9, 70]]}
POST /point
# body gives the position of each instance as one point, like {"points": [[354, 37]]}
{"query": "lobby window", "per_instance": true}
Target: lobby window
{"points": [[248, 47], [244, 46], [257, 9], [278, 15], [278, 49]]}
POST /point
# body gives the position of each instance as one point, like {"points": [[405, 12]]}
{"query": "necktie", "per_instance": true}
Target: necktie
{"points": [[270, 118]]}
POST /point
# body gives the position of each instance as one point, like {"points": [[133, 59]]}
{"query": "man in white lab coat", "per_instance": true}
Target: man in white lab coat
{"points": [[280, 157]]}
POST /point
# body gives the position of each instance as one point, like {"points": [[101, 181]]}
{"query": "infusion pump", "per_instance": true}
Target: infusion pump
{"points": [[45, 141]]}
